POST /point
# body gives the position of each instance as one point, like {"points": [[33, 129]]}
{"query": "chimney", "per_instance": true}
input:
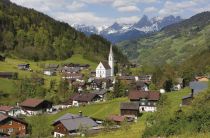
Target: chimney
{"points": [[80, 113], [192, 93]]}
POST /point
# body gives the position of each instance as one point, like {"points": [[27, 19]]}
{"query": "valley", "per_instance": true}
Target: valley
{"points": [[104, 69]]}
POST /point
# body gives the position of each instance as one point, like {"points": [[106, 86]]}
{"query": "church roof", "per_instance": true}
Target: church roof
{"points": [[105, 64]]}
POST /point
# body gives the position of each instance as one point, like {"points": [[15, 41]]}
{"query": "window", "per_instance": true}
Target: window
{"points": [[1, 130], [148, 103], [10, 122], [142, 103], [10, 130]]}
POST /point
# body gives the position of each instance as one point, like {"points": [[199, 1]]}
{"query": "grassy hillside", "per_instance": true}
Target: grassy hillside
{"points": [[99, 110], [136, 130], [190, 121], [172, 45], [8, 86]]}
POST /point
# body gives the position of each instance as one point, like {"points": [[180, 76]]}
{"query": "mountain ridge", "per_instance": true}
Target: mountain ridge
{"points": [[118, 32], [177, 44]]}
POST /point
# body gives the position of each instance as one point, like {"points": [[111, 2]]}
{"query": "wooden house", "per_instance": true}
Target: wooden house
{"points": [[70, 124], [76, 76], [143, 86], [12, 126], [35, 106], [129, 109], [147, 100], [85, 98]]}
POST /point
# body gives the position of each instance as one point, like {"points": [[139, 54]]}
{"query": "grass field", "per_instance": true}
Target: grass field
{"points": [[102, 110], [98, 110], [136, 129], [10, 65]]}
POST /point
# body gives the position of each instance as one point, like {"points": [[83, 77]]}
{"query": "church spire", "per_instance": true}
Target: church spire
{"points": [[110, 52], [111, 61]]}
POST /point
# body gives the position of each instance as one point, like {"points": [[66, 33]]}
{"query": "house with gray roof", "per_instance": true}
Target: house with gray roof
{"points": [[196, 87], [71, 124]]}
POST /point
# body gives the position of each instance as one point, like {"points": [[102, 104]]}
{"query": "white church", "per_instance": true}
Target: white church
{"points": [[106, 69]]}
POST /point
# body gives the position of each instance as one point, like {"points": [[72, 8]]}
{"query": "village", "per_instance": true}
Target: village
{"points": [[94, 89]]}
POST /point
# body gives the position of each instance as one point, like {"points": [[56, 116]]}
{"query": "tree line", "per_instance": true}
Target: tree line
{"points": [[28, 34]]}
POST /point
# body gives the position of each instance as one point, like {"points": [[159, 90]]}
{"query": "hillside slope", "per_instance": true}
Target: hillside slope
{"points": [[174, 44], [28, 34]]}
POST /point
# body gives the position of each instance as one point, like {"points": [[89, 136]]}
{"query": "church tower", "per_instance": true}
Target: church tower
{"points": [[111, 61]]}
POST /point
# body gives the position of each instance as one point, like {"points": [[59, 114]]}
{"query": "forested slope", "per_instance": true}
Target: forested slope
{"points": [[28, 34]]}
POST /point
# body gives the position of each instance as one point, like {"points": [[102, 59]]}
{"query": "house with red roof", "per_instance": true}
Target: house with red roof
{"points": [[147, 100], [12, 126], [35, 106]]}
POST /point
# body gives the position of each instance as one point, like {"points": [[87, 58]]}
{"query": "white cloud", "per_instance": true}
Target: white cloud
{"points": [[83, 17], [150, 10], [148, 1], [174, 8], [201, 9], [50, 5], [128, 9], [127, 20], [125, 6], [75, 5]]}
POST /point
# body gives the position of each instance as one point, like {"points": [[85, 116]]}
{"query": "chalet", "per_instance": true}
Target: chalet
{"points": [[66, 69], [143, 86], [97, 84], [80, 66], [127, 79], [70, 124], [76, 76], [10, 110], [12, 126], [80, 86], [101, 93], [147, 100], [9, 75], [35, 106], [24, 66], [129, 109], [2, 58], [85, 98], [196, 87], [49, 72]]}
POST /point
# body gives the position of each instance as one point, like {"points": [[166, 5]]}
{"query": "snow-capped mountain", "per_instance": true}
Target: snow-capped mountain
{"points": [[119, 32], [85, 29]]}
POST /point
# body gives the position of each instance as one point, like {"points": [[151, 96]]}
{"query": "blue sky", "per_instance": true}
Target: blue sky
{"points": [[106, 12]]}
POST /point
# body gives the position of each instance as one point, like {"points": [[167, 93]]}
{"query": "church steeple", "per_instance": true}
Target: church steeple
{"points": [[111, 61]]}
